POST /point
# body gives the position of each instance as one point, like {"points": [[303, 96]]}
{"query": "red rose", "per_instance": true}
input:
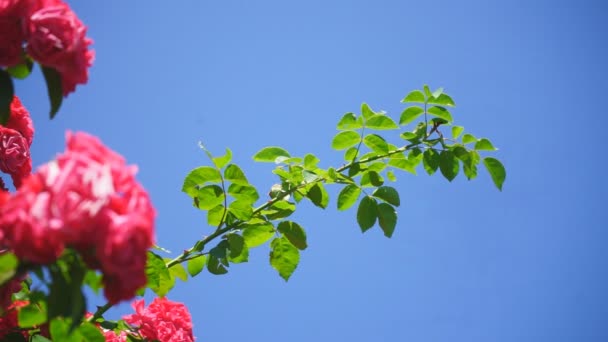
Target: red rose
{"points": [[57, 38]]}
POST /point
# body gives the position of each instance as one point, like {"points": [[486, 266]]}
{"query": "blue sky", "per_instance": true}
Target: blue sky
{"points": [[466, 263]]}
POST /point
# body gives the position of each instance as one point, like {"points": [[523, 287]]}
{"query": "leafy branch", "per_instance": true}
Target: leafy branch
{"points": [[240, 225]]}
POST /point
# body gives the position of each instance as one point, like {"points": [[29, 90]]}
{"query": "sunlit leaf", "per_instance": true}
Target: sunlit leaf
{"points": [[410, 114], [222, 161], [258, 234], [199, 177], [381, 122], [348, 196], [497, 171], [270, 154], [457, 131], [376, 143], [414, 96], [468, 138], [349, 122], [440, 112], [196, 265], [284, 257], [484, 144], [345, 140]]}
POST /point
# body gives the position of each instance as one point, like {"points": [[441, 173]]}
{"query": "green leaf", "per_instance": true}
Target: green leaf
{"points": [[437, 93], [93, 280], [410, 114], [442, 100], [387, 194], [31, 315], [403, 164], [209, 196], [196, 265], [270, 154], [178, 271], [220, 162], [414, 96], [440, 112], [345, 140], [310, 161], [349, 122], [468, 138], [371, 179], [218, 258], [427, 92], [242, 210], [496, 170], [470, 167], [60, 331], [351, 154], [238, 248], [215, 215], [381, 122], [36, 338], [54, 89], [21, 71], [367, 213], [246, 193], [448, 164], [90, 333], [376, 143], [198, 177], [258, 234], [387, 218], [457, 131], [348, 196], [430, 161], [234, 174], [318, 195], [366, 111], [484, 144], [159, 278], [7, 91], [8, 266], [294, 233], [279, 210], [391, 176], [284, 257]]}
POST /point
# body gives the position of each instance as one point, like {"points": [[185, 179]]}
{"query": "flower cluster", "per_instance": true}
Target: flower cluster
{"points": [[15, 141], [53, 36], [86, 199], [162, 320]]}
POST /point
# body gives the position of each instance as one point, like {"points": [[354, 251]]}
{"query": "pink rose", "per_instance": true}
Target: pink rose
{"points": [[56, 38], [12, 33], [162, 320]]}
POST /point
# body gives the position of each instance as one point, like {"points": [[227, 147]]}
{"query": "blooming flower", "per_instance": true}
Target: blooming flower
{"points": [[56, 38], [15, 141], [162, 320], [12, 33], [87, 199]]}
